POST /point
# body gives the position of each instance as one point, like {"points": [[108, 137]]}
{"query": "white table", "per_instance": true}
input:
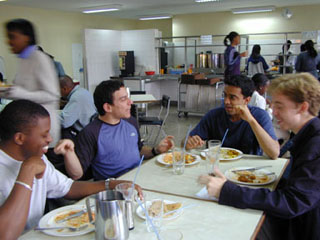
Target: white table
{"points": [[207, 220], [143, 98]]}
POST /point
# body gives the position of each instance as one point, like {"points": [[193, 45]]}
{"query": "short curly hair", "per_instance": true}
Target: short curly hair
{"points": [[299, 88]]}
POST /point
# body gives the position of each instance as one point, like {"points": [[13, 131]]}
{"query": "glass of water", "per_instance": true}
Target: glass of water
{"points": [[212, 155], [178, 162]]}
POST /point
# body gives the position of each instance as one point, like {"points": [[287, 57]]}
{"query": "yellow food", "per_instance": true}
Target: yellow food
{"points": [[155, 208], [188, 158], [74, 222], [251, 177], [228, 154]]}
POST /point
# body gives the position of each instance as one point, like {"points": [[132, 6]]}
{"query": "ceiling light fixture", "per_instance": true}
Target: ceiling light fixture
{"points": [[155, 17], [252, 10], [103, 8], [203, 1], [100, 10]]}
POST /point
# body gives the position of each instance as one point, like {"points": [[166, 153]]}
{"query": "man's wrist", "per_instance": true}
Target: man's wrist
{"points": [[107, 183], [154, 151]]}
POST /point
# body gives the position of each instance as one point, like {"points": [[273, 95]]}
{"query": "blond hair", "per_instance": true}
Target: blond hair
{"points": [[299, 88]]}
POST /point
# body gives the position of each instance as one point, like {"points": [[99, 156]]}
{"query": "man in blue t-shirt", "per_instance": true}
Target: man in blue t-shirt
{"points": [[110, 144], [249, 127]]}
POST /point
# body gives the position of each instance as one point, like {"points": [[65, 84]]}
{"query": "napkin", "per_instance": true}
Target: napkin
{"points": [[203, 193]]}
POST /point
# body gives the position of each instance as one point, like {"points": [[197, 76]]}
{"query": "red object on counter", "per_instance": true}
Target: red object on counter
{"points": [[150, 72]]}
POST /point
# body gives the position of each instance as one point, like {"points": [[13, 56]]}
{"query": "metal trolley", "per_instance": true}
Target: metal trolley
{"points": [[198, 99]]}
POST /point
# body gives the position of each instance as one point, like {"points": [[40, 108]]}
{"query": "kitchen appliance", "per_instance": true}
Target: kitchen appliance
{"points": [[126, 63], [209, 60]]}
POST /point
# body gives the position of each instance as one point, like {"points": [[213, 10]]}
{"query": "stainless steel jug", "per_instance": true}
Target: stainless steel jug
{"points": [[110, 221]]}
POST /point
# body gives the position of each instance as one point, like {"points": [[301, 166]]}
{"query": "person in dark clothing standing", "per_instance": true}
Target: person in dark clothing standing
{"points": [[231, 56], [256, 58], [293, 209]]}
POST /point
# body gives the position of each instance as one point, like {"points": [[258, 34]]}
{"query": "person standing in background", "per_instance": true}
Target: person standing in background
{"points": [[36, 79], [287, 55], [308, 60], [231, 56], [256, 58]]}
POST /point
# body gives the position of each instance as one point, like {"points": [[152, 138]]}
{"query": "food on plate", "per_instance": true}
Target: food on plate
{"points": [[188, 157], [228, 153], [2, 84], [251, 177], [155, 208], [74, 222]]}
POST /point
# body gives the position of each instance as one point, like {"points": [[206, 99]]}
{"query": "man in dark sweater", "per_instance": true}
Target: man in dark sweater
{"points": [[293, 209]]}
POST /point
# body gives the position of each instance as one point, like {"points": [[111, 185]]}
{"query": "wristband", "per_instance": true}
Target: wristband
{"points": [[154, 152], [27, 186]]}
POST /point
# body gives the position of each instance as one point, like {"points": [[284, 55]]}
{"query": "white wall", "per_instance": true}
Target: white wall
{"points": [[102, 47], [101, 51]]}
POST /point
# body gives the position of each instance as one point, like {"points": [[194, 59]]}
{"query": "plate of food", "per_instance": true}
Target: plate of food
{"points": [[167, 207], [4, 86], [241, 175], [190, 159], [226, 154], [52, 218]]}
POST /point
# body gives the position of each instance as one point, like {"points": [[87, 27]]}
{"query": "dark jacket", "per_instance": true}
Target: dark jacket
{"points": [[295, 204], [257, 60]]}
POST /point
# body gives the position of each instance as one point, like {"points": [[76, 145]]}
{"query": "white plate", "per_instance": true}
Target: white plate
{"points": [[141, 213], [226, 159], [160, 159], [233, 177], [48, 221]]}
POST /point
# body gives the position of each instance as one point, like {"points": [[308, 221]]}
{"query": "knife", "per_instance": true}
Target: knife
{"points": [[250, 169], [72, 216]]}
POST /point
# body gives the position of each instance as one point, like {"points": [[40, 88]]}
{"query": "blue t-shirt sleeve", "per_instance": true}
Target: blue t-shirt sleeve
{"points": [[265, 122], [204, 127], [265, 65]]}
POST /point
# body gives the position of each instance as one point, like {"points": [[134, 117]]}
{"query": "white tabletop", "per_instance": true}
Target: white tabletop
{"points": [[143, 98], [206, 220]]}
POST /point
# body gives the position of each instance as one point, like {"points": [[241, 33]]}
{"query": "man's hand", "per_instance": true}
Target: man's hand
{"points": [[165, 145], [214, 184], [244, 112], [194, 142], [35, 166], [64, 146]]}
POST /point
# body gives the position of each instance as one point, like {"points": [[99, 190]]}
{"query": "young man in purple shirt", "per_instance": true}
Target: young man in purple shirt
{"points": [[111, 144]]}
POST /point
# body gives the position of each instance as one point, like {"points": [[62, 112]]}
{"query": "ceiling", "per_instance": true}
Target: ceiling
{"points": [[133, 9]]}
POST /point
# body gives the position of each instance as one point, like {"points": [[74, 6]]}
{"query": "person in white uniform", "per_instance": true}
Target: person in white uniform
{"points": [[27, 177], [36, 79]]}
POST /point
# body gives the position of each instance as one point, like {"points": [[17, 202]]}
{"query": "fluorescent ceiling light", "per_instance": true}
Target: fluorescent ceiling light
{"points": [[155, 17], [252, 10], [202, 1], [100, 10]]}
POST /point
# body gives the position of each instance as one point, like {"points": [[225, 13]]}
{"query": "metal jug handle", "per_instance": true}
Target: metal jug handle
{"points": [[89, 210]]}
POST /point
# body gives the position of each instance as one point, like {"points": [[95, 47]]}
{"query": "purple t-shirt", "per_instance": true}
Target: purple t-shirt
{"points": [[232, 61], [111, 150]]}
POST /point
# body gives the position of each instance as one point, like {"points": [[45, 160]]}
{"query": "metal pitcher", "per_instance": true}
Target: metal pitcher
{"points": [[110, 221]]}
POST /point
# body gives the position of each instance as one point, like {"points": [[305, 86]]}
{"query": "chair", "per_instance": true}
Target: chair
{"points": [[158, 120]]}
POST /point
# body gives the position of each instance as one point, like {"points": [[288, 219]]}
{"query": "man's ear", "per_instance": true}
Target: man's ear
{"points": [[107, 107], [247, 100], [304, 107], [19, 138]]}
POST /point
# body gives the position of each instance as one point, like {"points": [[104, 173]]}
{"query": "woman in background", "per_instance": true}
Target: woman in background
{"points": [[231, 56], [308, 60], [36, 79], [255, 58]]}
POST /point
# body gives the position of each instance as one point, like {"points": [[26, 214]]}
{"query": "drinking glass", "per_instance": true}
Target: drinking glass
{"points": [[155, 216], [126, 190], [212, 155], [178, 162]]}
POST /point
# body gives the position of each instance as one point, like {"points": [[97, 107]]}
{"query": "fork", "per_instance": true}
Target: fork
{"points": [[72, 229]]}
